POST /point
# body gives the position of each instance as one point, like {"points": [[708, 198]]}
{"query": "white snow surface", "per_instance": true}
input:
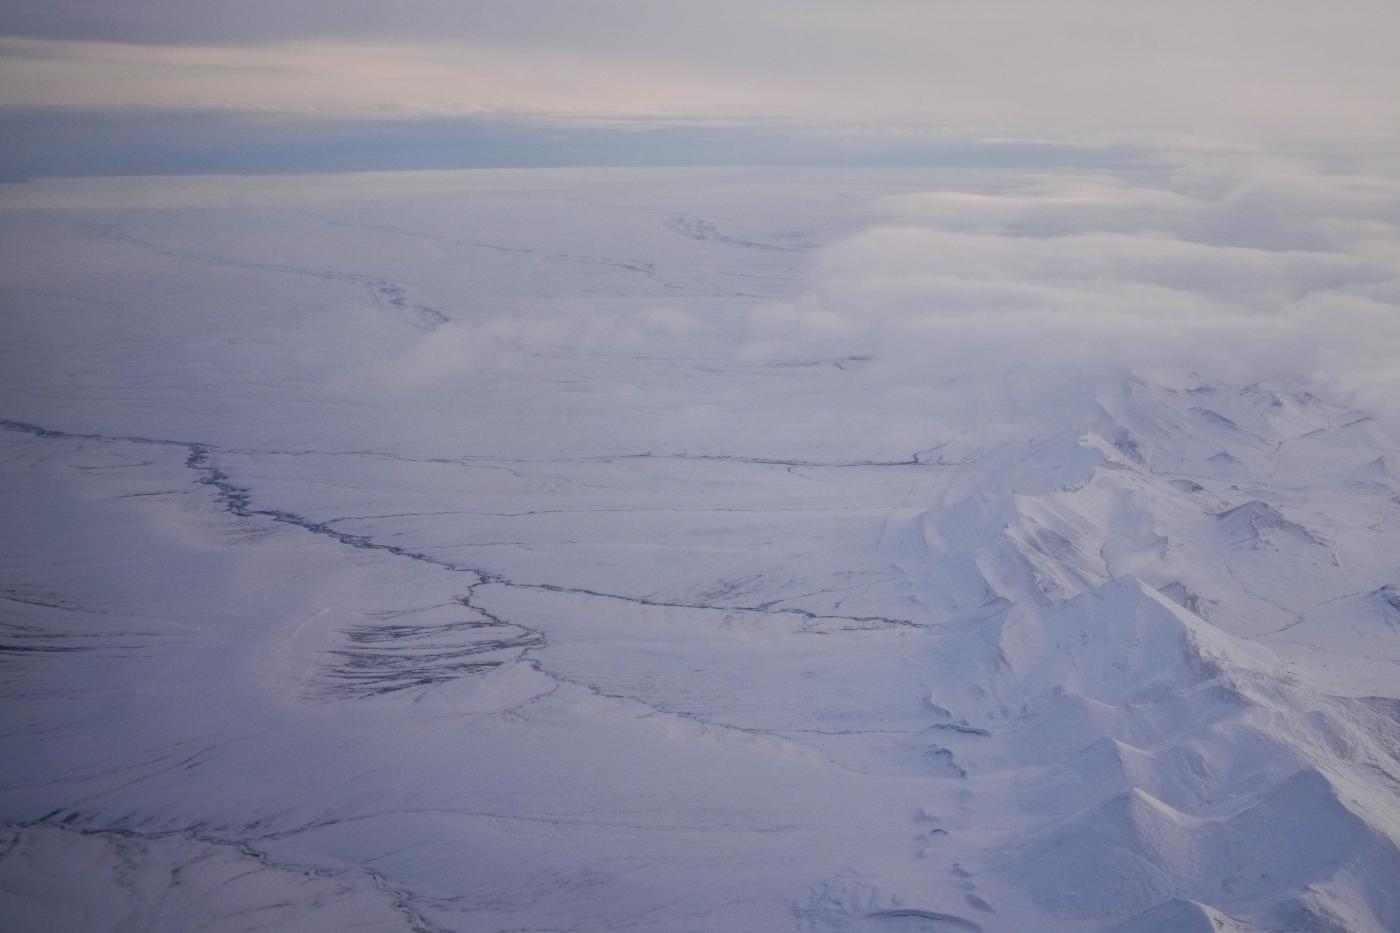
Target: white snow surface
{"points": [[699, 550]]}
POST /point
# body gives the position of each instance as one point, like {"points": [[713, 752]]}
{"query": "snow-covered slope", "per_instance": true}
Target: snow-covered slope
{"points": [[500, 551]]}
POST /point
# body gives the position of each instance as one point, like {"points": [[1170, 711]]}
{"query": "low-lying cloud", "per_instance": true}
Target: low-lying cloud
{"points": [[1236, 274], [470, 349]]}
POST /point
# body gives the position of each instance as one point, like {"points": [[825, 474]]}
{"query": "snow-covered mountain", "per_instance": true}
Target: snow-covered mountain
{"points": [[684, 550]]}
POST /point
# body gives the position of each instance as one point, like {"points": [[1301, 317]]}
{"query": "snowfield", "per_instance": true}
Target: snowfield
{"points": [[702, 550]]}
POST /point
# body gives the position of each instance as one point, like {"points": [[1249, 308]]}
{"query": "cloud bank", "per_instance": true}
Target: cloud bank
{"points": [[1234, 274], [1019, 287]]}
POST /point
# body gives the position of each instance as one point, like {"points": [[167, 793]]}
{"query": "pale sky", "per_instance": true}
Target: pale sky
{"points": [[1246, 70]]}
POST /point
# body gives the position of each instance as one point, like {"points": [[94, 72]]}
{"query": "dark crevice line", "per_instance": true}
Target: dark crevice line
{"points": [[365, 681], [384, 292], [400, 899], [639, 266], [361, 683], [914, 460], [237, 500], [805, 614]]}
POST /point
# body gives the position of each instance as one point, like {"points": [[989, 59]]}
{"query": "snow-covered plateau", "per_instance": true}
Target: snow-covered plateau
{"points": [[702, 550]]}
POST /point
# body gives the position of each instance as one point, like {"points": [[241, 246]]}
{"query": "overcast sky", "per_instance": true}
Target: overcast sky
{"points": [[1241, 70]]}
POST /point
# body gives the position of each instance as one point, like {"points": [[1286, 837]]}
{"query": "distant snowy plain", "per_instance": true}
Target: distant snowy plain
{"points": [[702, 550]]}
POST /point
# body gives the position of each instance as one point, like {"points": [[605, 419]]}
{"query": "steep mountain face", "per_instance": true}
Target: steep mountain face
{"points": [[1130, 655]]}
